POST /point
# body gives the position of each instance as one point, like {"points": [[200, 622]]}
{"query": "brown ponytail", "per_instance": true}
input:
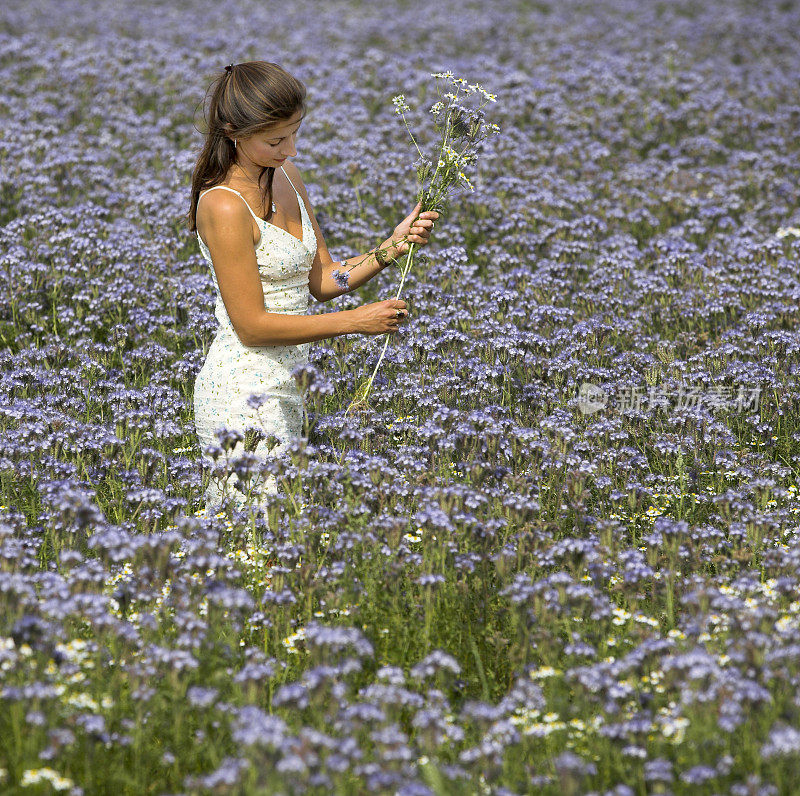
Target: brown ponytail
{"points": [[246, 99]]}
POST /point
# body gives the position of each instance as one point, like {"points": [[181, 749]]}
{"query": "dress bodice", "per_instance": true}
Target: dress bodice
{"points": [[284, 263]]}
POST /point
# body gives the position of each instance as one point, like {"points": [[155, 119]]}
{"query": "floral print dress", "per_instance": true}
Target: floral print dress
{"points": [[232, 372]]}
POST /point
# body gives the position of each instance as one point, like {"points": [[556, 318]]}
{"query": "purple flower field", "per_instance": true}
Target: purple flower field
{"points": [[559, 551]]}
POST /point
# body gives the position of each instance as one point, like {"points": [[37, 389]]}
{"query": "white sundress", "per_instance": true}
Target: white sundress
{"points": [[232, 372]]}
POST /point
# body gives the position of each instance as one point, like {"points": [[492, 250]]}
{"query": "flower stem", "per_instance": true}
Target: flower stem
{"points": [[364, 392]]}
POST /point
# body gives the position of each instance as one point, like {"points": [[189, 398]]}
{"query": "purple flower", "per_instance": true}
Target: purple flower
{"points": [[294, 694], [252, 726], [437, 661], [200, 696], [342, 278], [658, 770], [430, 579], [698, 774], [337, 639], [570, 763], [256, 400], [228, 773], [783, 740]]}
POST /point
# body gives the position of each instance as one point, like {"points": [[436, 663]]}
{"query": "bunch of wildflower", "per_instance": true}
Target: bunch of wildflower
{"points": [[462, 129]]}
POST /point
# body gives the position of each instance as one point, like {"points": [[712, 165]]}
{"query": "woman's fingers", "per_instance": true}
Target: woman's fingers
{"points": [[398, 306], [421, 228]]}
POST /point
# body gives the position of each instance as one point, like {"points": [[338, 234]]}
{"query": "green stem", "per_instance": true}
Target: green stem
{"points": [[443, 145], [406, 268], [412, 135]]}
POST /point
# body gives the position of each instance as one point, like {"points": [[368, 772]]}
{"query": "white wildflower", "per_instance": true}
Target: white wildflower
{"points": [[399, 103], [289, 641], [39, 775]]}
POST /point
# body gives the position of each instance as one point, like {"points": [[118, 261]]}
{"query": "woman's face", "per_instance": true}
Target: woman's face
{"points": [[272, 146]]}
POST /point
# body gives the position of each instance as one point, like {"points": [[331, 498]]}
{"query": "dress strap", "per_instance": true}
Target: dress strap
{"points": [[288, 178], [300, 199], [225, 187]]}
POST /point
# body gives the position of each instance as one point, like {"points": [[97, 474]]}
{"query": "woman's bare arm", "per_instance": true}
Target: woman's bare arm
{"points": [[321, 283], [226, 227]]}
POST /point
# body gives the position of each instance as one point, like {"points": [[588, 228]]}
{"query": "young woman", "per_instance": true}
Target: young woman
{"points": [[256, 228]]}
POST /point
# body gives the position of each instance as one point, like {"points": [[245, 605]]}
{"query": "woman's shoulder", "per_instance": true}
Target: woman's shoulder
{"points": [[221, 207], [223, 198]]}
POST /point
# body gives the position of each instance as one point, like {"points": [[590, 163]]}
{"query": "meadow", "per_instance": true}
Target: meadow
{"points": [[557, 554]]}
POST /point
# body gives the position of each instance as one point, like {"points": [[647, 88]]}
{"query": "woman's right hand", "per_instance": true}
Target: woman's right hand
{"points": [[379, 317]]}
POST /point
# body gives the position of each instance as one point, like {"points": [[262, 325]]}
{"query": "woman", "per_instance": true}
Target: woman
{"points": [[256, 227]]}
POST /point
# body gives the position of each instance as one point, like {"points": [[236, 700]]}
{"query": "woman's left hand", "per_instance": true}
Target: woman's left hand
{"points": [[417, 226]]}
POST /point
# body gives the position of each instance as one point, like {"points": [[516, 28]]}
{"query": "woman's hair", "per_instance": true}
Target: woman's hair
{"points": [[248, 98]]}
